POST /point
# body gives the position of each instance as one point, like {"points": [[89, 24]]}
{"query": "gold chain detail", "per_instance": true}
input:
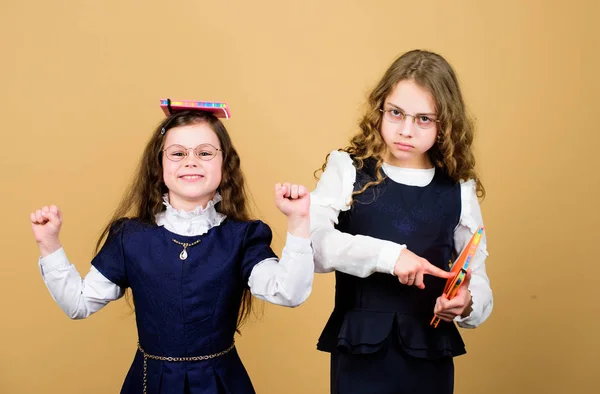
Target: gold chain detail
{"points": [[186, 245], [177, 359]]}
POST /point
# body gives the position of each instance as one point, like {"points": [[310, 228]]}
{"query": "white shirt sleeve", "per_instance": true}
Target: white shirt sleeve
{"points": [[479, 287], [356, 255], [78, 298], [288, 281]]}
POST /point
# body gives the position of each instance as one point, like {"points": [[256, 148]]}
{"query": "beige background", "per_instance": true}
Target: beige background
{"points": [[79, 88]]}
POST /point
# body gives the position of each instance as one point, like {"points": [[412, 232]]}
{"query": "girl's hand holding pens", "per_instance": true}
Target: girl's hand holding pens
{"points": [[459, 305]]}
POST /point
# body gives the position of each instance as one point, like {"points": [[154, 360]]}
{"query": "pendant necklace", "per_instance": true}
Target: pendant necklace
{"points": [[183, 255]]}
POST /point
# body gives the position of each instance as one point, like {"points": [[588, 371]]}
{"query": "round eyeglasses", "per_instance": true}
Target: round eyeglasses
{"points": [[204, 152], [422, 121]]}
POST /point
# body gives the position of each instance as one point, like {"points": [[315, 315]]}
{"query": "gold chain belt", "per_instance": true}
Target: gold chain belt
{"points": [[177, 359]]}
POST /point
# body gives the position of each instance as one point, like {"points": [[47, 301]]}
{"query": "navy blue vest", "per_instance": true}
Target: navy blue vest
{"points": [[368, 310], [185, 308]]}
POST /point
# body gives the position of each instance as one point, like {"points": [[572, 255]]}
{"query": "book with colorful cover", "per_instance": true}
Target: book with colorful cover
{"points": [[219, 109]]}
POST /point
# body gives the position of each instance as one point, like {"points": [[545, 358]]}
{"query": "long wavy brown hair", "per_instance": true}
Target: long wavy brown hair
{"points": [[452, 152], [143, 199]]}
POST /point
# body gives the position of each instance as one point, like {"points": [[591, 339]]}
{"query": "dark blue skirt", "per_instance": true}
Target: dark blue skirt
{"points": [[221, 375], [390, 371]]}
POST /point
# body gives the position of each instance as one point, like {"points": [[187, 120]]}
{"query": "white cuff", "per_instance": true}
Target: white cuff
{"points": [[54, 261], [294, 244], [386, 261]]}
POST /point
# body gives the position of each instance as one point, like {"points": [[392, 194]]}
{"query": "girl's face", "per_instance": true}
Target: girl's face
{"points": [[192, 181], [407, 142]]}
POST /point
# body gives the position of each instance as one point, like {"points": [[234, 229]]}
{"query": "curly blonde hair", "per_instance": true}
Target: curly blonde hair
{"points": [[452, 151], [143, 200]]}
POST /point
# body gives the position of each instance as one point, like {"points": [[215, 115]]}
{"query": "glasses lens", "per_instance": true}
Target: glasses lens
{"points": [[206, 152], [424, 121], [176, 152], [394, 115]]}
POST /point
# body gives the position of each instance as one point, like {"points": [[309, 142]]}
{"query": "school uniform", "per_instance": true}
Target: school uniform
{"points": [[378, 334], [186, 297]]}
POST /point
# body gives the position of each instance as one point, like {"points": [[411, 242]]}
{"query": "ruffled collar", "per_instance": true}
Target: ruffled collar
{"points": [[196, 222]]}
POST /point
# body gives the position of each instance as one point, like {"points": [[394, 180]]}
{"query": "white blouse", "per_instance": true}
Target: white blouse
{"points": [[362, 256], [286, 282]]}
